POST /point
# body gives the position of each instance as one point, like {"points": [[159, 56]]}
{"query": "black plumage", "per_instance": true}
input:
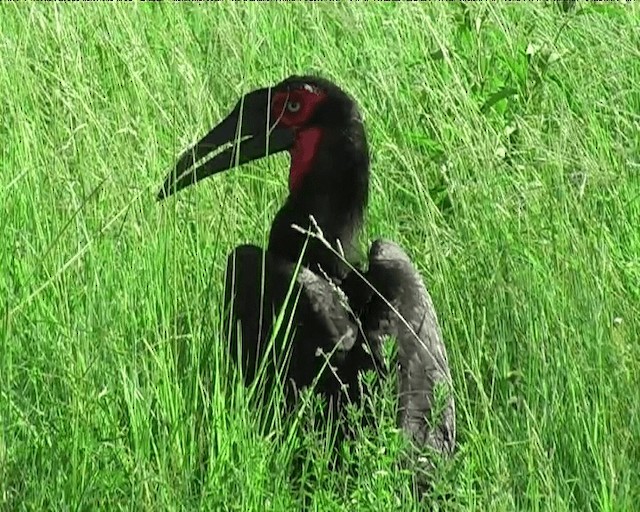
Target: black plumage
{"points": [[340, 314]]}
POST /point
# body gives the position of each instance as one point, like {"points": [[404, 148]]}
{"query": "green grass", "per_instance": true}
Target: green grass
{"points": [[506, 160]]}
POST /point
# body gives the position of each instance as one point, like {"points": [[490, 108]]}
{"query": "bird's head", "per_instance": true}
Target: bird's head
{"points": [[300, 114]]}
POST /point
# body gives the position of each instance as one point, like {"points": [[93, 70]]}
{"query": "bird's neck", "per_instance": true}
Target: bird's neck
{"points": [[334, 190]]}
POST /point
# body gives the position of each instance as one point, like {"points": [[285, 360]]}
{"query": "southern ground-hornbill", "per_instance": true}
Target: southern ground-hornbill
{"points": [[341, 315]]}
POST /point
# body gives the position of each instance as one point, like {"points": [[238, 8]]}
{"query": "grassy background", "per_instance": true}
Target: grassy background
{"points": [[506, 160]]}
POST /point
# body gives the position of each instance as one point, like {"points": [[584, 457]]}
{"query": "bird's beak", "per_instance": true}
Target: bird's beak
{"points": [[249, 132]]}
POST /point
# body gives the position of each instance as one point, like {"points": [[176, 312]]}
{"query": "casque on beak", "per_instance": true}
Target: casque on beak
{"points": [[250, 130]]}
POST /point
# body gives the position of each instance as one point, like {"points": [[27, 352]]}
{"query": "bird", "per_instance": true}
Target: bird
{"points": [[338, 310]]}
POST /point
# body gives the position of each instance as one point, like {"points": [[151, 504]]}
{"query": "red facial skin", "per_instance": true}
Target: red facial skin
{"points": [[293, 109]]}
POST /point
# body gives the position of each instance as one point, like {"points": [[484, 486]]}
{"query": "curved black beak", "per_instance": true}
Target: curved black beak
{"points": [[248, 129]]}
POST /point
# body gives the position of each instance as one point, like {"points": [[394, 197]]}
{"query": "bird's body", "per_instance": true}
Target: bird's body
{"points": [[324, 340], [338, 315]]}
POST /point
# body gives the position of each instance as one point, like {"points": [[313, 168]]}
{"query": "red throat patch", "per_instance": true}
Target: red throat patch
{"points": [[302, 154], [293, 108]]}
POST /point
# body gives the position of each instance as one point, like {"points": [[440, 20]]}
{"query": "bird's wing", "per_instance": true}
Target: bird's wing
{"points": [[257, 285], [407, 314]]}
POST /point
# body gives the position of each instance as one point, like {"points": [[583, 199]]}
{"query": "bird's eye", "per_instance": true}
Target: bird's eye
{"points": [[293, 106]]}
